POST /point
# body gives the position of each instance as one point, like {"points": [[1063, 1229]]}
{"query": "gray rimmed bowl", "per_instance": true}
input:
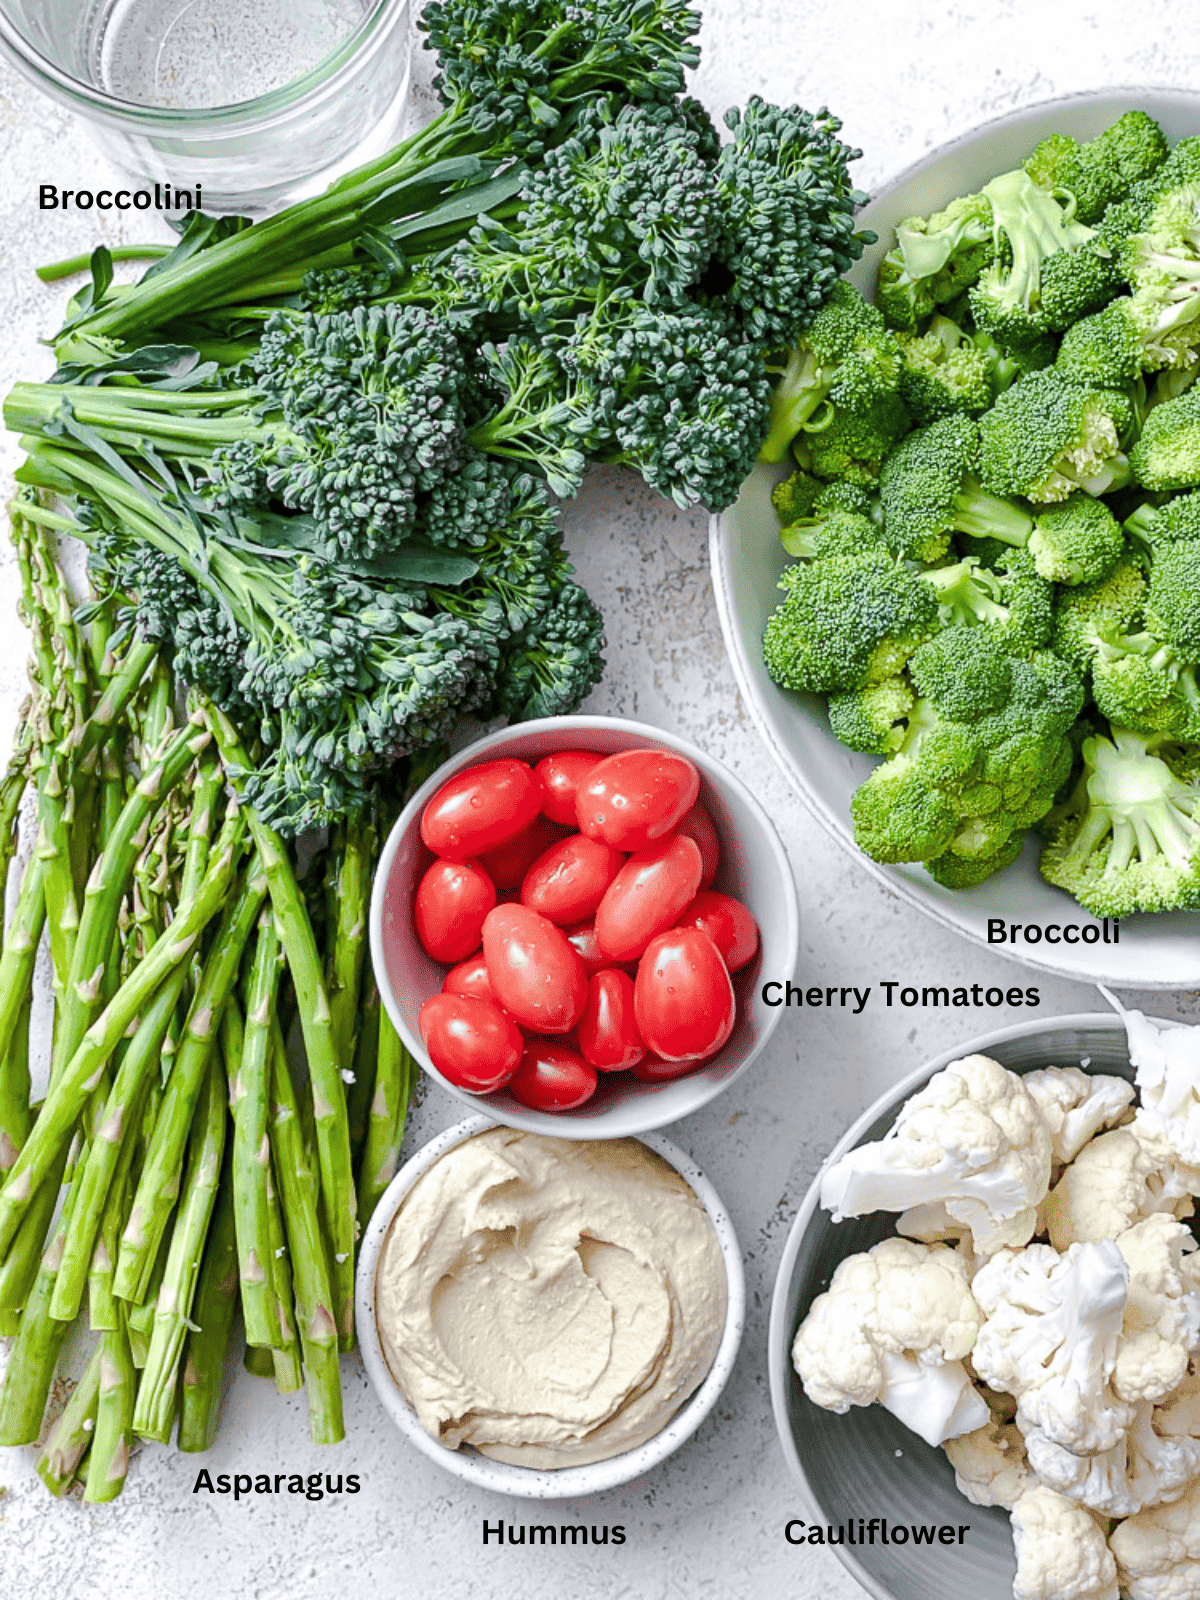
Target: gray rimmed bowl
{"points": [[1154, 952], [754, 869], [866, 1463], [527, 1483]]}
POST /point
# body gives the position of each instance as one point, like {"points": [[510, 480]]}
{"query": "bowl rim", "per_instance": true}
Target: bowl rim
{"points": [[831, 819], [779, 1332], [563, 1483], [786, 904]]}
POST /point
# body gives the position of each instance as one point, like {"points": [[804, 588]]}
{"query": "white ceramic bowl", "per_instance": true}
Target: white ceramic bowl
{"points": [[754, 869], [526, 1483], [867, 1463], [1154, 952]]}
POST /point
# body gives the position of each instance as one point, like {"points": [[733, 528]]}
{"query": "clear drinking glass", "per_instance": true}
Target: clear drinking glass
{"points": [[260, 101]]}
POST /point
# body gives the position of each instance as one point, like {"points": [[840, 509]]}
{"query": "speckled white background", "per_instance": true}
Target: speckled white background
{"points": [[710, 1522]]}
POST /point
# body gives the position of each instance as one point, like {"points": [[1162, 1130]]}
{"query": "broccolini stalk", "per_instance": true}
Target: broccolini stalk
{"points": [[389, 1109], [68, 1094], [213, 1312], [73, 1432], [38, 1344], [159, 1184], [329, 1099], [156, 1398], [109, 1460], [250, 1099], [314, 1304]]}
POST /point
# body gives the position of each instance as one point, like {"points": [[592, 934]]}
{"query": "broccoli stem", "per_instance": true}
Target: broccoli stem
{"points": [[985, 516], [800, 391]]}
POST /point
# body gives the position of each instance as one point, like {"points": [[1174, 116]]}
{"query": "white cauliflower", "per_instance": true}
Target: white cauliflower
{"points": [[1158, 1551], [1050, 1339], [1112, 1183], [972, 1143], [1061, 1553], [1161, 1324], [1075, 1105], [1166, 1061], [990, 1467], [1179, 1414], [893, 1326], [1145, 1468]]}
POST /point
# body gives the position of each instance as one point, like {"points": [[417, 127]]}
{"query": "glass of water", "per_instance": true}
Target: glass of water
{"points": [[258, 101]]}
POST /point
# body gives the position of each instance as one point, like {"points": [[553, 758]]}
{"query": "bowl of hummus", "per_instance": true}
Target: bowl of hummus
{"points": [[549, 1317]]}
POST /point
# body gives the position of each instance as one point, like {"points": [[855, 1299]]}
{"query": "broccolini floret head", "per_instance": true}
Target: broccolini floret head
{"points": [[1167, 453], [929, 492], [1046, 437], [1129, 839]]}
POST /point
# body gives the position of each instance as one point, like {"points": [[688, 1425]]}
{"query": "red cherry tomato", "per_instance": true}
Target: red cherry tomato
{"points": [[451, 902], [470, 977], [480, 808], [699, 825], [632, 799], [538, 978], [552, 1078], [568, 882], [508, 863], [647, 895], [607, 1032], [583, 941], [471, 1042], [727, 923], [682, 997], [561, 774], [653, 1069]]}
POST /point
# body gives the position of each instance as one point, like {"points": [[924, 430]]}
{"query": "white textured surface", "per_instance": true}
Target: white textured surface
{"points": [[710, 1522]]}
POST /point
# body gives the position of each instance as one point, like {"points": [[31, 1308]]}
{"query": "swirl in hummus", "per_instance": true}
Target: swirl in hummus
{"points": [[549, 1301]]}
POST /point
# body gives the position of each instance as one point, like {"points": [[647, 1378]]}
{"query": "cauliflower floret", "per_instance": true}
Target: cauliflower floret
{"points": [[1145, 1468], [972, 1142], [1061, 1553], [1050, 1339], [893, 1326], [990, 1466], [1166, 1062], [1158, 1551], [1112, 1183], [1075, 1105], [1179, 1414], [1162, 1308]]}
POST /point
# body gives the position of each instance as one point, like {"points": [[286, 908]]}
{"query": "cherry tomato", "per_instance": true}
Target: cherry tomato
{"points": [[451, 902], [561, 774], [470, 977], [682, 997], [699, 825], [569, 880], [727, 923], [647, 895], [653, 1069], [537, 976], [636, 797], [508, 863], [607, 1032], [480, 808], [471, 1042], [552, 1078], [583, 941]]}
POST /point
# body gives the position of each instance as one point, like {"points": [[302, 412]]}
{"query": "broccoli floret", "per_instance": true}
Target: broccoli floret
{"points": [[1012, 600], [871, 719], [986, 749], [1004, 366], [928, 491], [1129, 838], [846, 356], [943, 373], [803, 496], [1086, 616], [1010, 301], [1046, 437], [954, 871], [846, 621], [1175, 519], [1076, 541], [1137, 143], [1173, 600], [1140, 682], [1090, 176], [934, 259], [1167, 454], [832, 532], [1103, 351]]}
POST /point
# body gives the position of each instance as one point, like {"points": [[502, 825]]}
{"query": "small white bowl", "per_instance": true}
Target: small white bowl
{"points": [[527, 1483], [754, 869]]}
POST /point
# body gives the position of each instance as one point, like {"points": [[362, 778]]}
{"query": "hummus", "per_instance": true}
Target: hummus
{"points": [[549, 1301]]}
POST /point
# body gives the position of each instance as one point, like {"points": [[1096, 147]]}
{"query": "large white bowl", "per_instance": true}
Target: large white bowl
{"points": [[1154, 952], [566, 1483], [754, 869]]}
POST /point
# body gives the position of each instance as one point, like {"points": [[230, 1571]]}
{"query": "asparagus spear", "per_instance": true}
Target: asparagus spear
{"points": [[353, 892], [16, 980], [73, 1432], [394, 1074], [286, 1355], [358, 1101], [251, 1148], [212, 1324], [109, 1460]]}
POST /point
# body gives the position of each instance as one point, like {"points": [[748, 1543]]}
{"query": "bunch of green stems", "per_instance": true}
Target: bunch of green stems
{"points": [[224, 1100]]}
